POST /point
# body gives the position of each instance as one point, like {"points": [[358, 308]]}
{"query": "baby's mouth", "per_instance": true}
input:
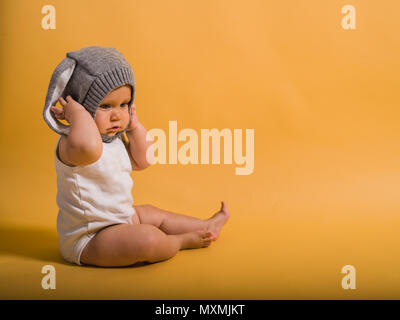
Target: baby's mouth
{"points": [[113, 129]]}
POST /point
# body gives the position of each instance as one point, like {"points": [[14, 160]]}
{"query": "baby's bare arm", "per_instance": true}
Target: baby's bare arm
{"points": [[137, 146], [83, 144]]}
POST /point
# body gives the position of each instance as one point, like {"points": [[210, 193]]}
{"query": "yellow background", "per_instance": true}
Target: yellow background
{"points": [[323, 102]]}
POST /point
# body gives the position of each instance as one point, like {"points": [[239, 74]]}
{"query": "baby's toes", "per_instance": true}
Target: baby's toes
{"points": [[210, 235], [206, 242]]}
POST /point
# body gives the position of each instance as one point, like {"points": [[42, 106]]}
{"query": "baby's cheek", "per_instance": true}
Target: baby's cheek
{"points": [[100, 121], [126, 115]]}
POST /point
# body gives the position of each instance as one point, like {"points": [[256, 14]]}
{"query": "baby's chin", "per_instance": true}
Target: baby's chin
{"points": [[111, 133]]}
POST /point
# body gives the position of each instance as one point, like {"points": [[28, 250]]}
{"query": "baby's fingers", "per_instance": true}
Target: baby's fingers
{"points": [[62, 101], [59, 113]]}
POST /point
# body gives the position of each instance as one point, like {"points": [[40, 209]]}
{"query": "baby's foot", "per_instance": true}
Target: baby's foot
{"points": [[216, 222], [197, 239]]}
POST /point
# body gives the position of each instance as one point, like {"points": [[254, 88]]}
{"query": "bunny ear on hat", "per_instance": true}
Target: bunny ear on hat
{"points": [[58, 82]]}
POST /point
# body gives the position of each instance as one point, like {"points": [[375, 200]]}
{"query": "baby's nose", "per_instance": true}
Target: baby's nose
{"points": [[116, 114]]}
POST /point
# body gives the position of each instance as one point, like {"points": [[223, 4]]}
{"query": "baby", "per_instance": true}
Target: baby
{"points": [[97, 222]]}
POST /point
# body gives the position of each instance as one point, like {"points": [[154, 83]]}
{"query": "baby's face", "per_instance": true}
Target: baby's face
{"points": [[112, 116]]}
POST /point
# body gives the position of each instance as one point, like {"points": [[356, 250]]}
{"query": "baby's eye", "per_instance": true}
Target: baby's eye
{"points": [[124, 104], [105, 106]]}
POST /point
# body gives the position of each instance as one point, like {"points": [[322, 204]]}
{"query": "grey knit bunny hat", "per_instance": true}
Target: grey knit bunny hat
{"points": [[88, 75]]}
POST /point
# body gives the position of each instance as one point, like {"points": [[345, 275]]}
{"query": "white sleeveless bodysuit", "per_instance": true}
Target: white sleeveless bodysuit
{"points": [[92, 197]]}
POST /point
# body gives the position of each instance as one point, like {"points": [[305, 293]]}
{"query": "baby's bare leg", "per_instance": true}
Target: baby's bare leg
{"points": [[169, 222], [125, 244], [173, 223]]}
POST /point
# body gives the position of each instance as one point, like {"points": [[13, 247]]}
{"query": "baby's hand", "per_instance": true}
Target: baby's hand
{"points": [[134, 118], [68, 107]]}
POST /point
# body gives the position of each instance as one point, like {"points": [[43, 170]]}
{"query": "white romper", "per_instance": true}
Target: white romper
{"points": [[92, 197]]}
